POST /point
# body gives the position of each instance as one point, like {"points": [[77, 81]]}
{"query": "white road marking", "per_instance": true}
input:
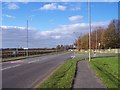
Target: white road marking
{"points": [[11, 67], [72, 57], [6, 68], [16, 65], [16, 61], [33, 61]]}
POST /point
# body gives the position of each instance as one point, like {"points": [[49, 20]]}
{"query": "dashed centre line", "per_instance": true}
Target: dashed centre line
{"points": [[11, 67], [6, 68], [33, 61], [16, 65], [19, 65]]}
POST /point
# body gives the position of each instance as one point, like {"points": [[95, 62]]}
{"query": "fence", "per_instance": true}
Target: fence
{"points": [[8, 53], [103, 50]]}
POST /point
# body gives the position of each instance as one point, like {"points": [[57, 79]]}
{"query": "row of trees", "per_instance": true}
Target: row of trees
{"points": [[101, 37], [64, 47]]}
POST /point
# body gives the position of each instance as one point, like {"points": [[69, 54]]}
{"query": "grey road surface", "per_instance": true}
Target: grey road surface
{"points": [[27, 73]]}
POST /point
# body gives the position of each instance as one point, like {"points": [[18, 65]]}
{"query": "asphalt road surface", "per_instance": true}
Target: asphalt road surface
{"points": [[27, 73]]}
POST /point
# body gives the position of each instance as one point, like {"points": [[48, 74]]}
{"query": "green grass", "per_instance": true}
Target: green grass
{"points": [[62, 77], [107, 70]]}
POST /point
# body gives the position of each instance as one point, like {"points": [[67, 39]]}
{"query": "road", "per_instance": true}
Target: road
{"points": [[27, 73]]}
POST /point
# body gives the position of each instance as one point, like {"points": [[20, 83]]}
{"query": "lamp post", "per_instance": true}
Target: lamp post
{"points": [[89, 19], [77, 37], [29, 18], [27, 40], [99, 47], [96, 40]]}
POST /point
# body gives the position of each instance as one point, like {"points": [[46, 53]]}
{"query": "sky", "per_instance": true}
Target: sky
{"points": [[51, 23]]}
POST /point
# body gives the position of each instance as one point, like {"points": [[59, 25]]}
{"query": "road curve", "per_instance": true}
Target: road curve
{"points": [[27, 73]]}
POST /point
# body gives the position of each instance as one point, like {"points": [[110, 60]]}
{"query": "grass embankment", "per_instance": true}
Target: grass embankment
{"points": [[107, 70], [63, 77]]}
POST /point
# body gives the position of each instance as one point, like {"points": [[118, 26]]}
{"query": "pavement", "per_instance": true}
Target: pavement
{"points": [[27, 73], [85, 77]]}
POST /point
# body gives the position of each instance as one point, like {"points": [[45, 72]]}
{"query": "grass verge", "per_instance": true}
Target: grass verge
{"points": [[63, 77], [106, 69]]}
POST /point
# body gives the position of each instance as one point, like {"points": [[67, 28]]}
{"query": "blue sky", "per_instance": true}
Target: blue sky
{"points": [[52, 21]]}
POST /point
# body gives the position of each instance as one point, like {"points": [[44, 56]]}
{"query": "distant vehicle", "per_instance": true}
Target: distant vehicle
{"points": [[70, 50]]}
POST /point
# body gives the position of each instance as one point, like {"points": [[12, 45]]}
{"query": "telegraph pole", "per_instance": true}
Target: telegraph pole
{"points": [[89, 19]]}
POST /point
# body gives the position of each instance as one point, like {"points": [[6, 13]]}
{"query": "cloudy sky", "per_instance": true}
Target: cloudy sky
{"points": [[51, 23]]}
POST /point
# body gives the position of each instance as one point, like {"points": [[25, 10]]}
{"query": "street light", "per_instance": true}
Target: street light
{"points": [[28, 19], [89, 18], [27, 40], [77, 37], [27, 54]]}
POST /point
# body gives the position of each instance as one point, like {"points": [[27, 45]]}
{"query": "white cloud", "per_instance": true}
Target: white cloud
{"points": [[13, 36], [11, 27], [67, 30], [59, 0], [75, 18], [53, 6], [12, 6], [9, 16], [60, 7], [57, 37]]}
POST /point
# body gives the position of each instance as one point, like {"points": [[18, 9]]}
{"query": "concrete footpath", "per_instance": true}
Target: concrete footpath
{"points": [[85, 77]]}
